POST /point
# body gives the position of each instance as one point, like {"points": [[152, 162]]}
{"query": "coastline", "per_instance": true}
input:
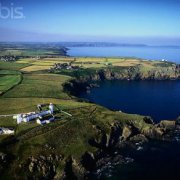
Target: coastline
{"points": [[111, 148], [86, 82]]}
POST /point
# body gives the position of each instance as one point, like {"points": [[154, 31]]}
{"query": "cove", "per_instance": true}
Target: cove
{"points": [[158, 99]]}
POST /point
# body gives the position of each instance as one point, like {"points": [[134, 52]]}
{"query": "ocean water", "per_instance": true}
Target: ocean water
{"points": [[160, 161], [146, 52], [158, 99]]}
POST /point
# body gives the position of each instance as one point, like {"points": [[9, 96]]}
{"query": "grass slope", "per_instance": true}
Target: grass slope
{"points": [[40, 85]]}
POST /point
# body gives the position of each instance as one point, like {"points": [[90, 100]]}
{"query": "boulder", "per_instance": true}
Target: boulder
{"points": [[168, 125], [178, 121], [88, 161], [2, 156], [126, 132], [31, 167], [139, 138], [148, 120], [116, 132], [154, 132]]}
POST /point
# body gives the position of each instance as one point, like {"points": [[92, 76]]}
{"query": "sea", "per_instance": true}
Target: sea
{"points": [[158, 99]]}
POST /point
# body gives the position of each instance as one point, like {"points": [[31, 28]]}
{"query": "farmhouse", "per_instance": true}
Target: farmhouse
{"points": [[8, 58], [67, 66]]}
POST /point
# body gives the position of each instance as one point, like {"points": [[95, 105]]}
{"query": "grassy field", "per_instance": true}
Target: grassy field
{"points": [[42, 87], [12, 66], [33, 65], [32, 51], [9, 79], [43, 64], [22, 92], [9, 72], [24, 105]]}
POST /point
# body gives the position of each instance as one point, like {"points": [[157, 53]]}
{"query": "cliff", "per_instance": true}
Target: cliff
{"points": [[83, 82]]}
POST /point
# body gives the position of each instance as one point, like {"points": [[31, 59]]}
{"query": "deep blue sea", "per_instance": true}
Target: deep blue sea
{"points": [[147, 52], [158, 99]]}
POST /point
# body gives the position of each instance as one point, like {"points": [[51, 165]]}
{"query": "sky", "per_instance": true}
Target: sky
{"points": [[123, 21]]}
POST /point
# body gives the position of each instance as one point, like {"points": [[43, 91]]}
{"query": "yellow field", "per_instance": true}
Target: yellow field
{"points": [[85, 62], [90, 59], [43, 64], [34, 68]]}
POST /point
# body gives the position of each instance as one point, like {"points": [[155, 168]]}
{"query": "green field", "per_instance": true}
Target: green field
{"points": [[40, 85], [31, 50], [9, 79], [12, 66]]}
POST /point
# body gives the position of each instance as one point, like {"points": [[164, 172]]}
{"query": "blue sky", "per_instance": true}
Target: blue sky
{"points": [[131, 21]]}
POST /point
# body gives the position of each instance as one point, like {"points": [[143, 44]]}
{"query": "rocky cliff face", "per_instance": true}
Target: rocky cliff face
{"points": [[110, 146], [109, 151], [84, 83], [136, 73]]}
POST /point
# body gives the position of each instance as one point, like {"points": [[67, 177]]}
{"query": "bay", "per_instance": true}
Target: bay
{"points": [[158, 99]]}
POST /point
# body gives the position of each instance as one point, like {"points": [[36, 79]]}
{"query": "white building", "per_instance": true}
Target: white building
{"points": [[33, 115], [6, 131], [38, 121]]}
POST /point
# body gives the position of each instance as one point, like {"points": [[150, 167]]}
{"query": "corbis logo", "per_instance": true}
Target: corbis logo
{"points": [[11, 12]]}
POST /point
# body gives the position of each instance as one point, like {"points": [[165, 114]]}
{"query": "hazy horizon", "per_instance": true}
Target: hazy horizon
{"points": [[131, 21], [74, 43]]}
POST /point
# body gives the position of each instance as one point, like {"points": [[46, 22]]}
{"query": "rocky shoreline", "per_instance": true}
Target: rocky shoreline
{"points": [[114, 149], [85, 83]]}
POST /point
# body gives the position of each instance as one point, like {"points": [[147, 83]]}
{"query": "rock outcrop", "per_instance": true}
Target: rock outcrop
{"points": [[168, 125], [85, 82]]}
